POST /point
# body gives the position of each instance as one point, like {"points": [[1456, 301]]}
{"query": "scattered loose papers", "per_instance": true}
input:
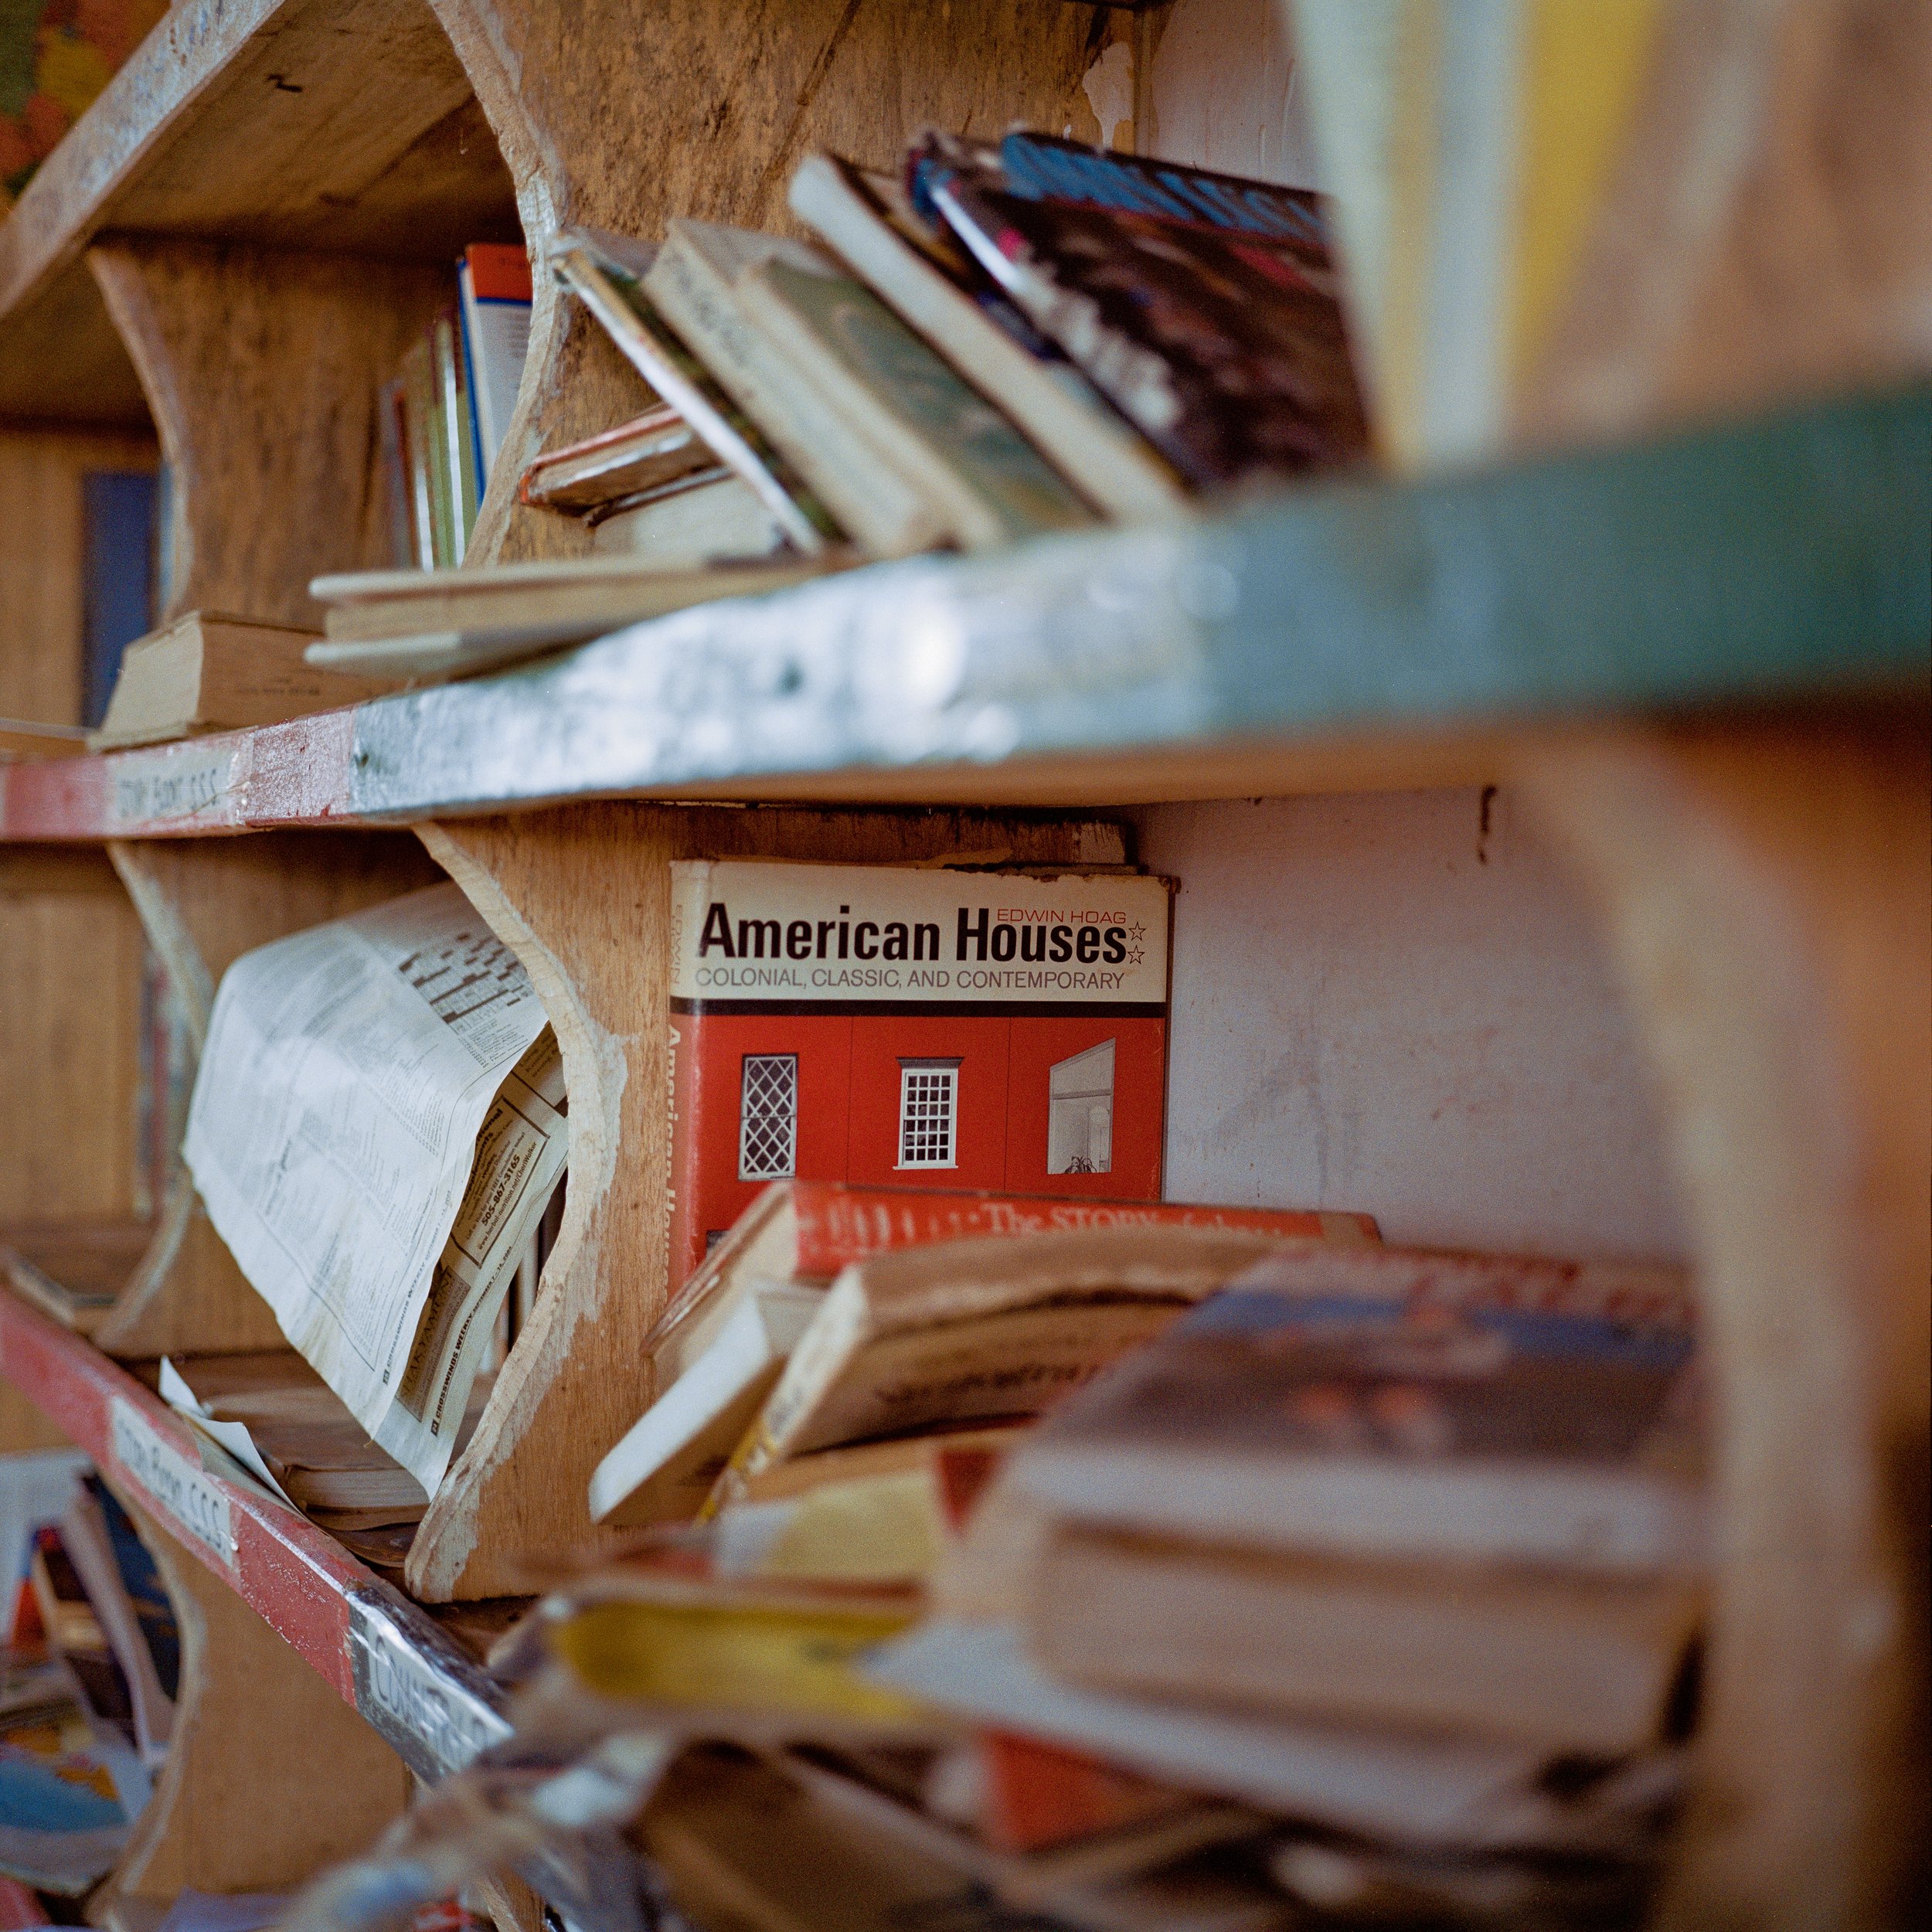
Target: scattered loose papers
{"points": [[376, 1126]]}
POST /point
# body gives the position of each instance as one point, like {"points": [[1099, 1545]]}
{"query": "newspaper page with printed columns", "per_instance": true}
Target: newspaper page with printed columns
{"points": [[377, 1127]]}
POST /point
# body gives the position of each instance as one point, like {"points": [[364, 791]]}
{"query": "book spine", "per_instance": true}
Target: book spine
{"points": [[466, 346], [685, 1239], [866, 492], [457, 450], [1044, 167], [837, 1226], [414, 404]]}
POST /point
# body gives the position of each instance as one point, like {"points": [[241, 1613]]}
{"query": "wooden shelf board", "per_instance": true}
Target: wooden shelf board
{"points": [[387, 1657], [1349, 635], [343, 125]]}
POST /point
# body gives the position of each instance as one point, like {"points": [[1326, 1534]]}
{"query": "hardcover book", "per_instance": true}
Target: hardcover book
{"points": [[493, 282], [887, 1026]]}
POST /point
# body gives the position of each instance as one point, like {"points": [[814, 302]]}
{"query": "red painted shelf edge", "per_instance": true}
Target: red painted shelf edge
{"points": [[280, 775], [295, 1575], [382, 1654]]}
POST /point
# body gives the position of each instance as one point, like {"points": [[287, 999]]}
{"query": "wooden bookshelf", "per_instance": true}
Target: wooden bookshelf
{"points": [[1325, 643], [345, 1622], [1697, 653]]}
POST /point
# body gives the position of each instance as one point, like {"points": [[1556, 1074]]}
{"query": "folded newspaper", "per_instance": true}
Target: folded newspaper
{"points": [[376, 1128]]}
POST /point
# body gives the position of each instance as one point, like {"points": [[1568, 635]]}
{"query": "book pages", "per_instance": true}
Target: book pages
{"points": [[375, 1126]]}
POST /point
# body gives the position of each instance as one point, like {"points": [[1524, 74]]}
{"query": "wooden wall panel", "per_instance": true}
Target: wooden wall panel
{"points": [[42, 556], [262, 366], [69, 1020]]}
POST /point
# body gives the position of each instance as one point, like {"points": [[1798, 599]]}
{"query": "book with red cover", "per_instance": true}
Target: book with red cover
{"points": [[881, 1024], [806, 1231], [1203, 307]]}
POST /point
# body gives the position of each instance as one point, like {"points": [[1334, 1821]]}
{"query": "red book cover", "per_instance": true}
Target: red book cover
{"points": [[885, 1025], [499, 271], [839, 1225]]}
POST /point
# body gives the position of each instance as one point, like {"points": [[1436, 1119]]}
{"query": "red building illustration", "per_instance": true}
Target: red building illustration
{"points": [[887, 1026]]}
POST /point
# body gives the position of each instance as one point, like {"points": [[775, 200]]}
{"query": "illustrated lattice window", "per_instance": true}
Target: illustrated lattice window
{"points": [[768, 1117], [928, 1113]]}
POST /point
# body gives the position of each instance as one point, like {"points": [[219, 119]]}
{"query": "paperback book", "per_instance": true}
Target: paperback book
{"points": [[1203, 307]]}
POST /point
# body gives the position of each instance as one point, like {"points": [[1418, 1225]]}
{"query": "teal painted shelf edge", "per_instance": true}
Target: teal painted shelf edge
{"points": [[1780, 560]]}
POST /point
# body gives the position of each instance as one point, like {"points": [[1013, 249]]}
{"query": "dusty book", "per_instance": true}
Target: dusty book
{"points": [[970, 1331], [803, 1233], [984, 481], [662, 1468], [881, 1025], [294, 1435], [1414, 1787], [657, 447], [493, 305], [423, 625], [1600, 1666], [607, 274], [376, 1127], [878, 1513], [939, 291], [209, 672], [1391, 1403], [709, 516], [1216, 330], [693, 282]]}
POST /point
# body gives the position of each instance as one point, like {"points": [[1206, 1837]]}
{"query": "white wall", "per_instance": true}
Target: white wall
{"points": [[1376, 1007], [1224, 94]]}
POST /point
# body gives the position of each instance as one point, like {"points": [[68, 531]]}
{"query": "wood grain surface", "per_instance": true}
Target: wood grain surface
{"points": [[270, 1775], [582, 896], [1767, 892], [262, 366]]}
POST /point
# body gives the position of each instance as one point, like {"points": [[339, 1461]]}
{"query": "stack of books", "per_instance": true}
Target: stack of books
{"points": [[1172, 1569], [445, 416], [1405, 1548], [770, 1370], [999, 342]]}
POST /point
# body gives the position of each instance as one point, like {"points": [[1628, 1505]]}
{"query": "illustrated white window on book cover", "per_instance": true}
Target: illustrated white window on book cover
{"points": [[928, 1113], [768, 1117], [1080, 1113]]}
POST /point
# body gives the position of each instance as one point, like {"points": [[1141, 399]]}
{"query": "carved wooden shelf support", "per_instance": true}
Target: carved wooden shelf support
{"points": [[582, 896], [270, 1777], [262, 367], [1765, 888], [755, 89]]}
